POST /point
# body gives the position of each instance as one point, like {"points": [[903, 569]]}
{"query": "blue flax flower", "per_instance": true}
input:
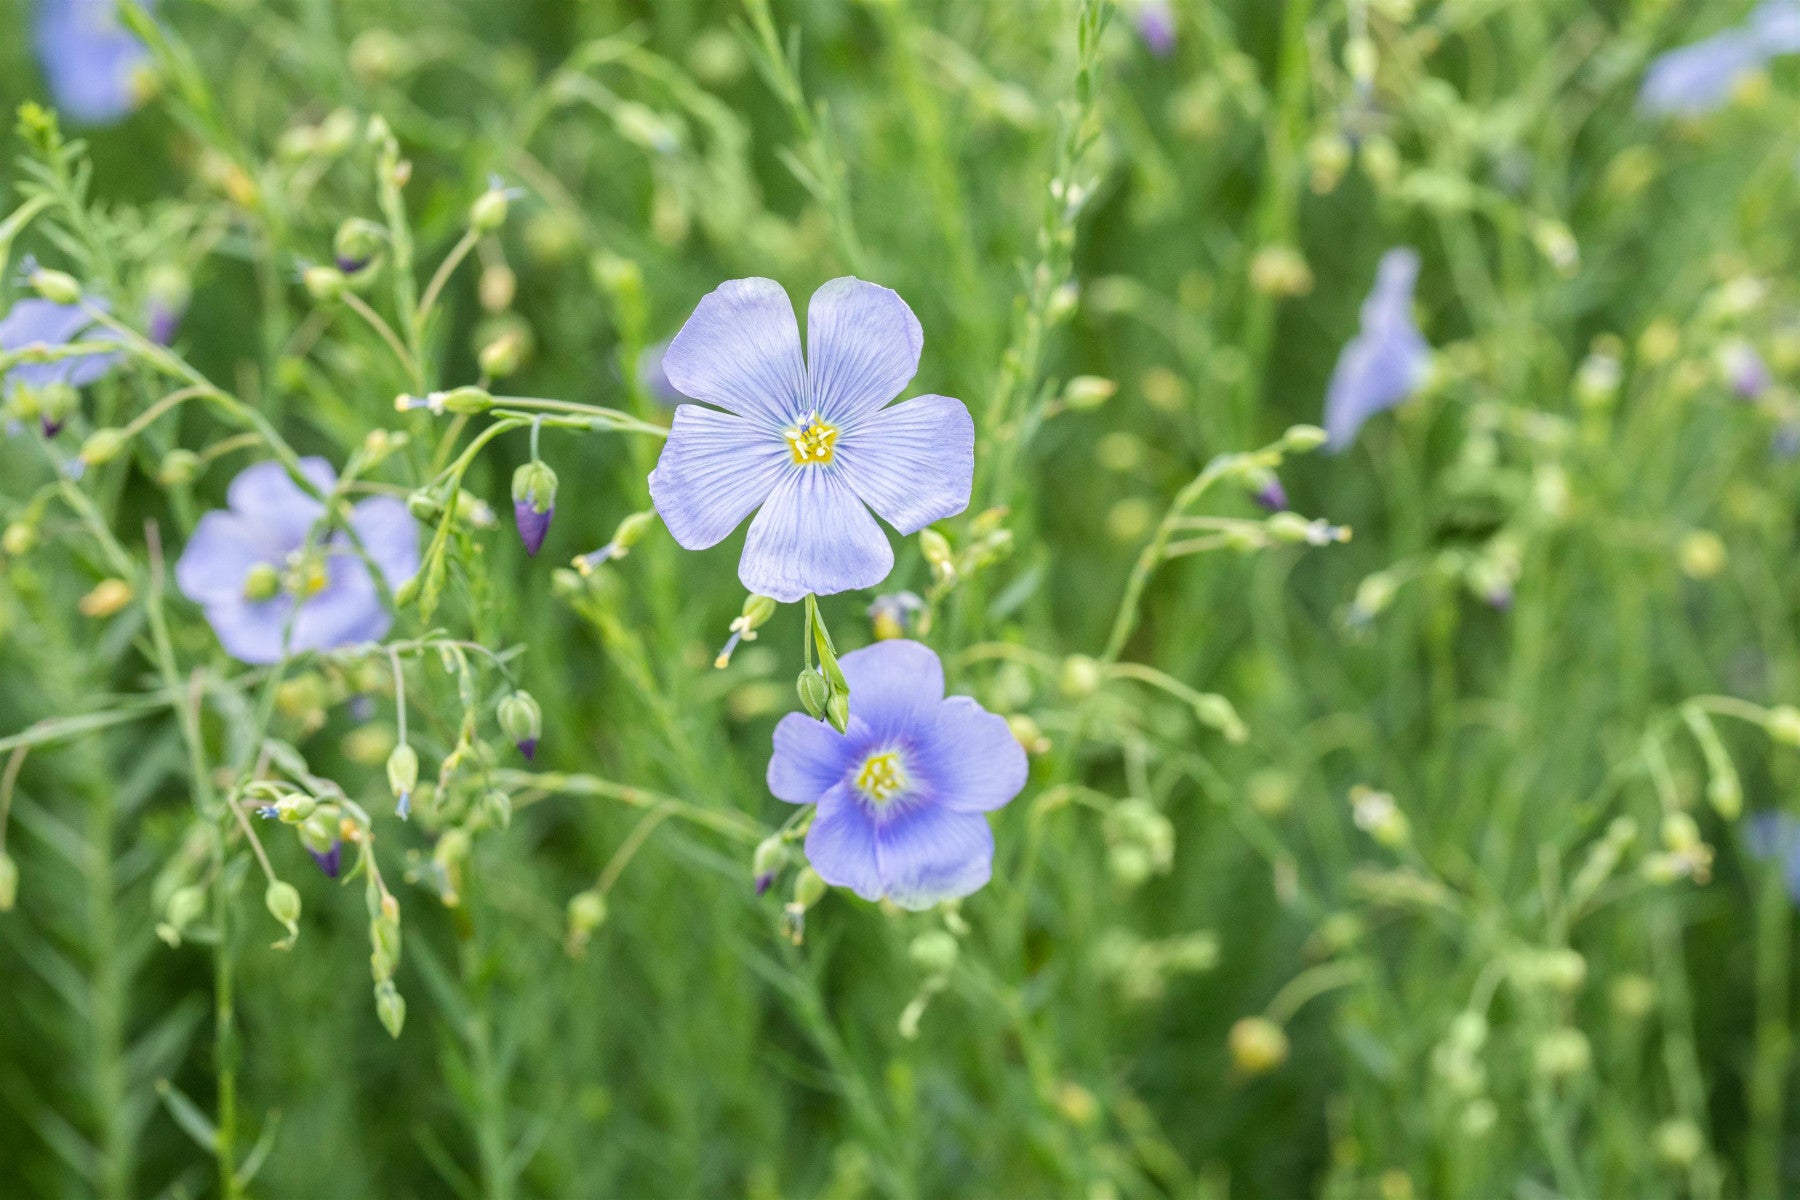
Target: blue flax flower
{"points": [[1155, 21], [1387, 361], [1776, 835], [249, 567], [1700, 78], [811, 441], [96, 69], [902, 792], [34, 322]]}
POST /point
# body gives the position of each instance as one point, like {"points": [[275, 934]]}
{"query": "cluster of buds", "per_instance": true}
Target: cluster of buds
{"points": [[988, 542], [1140, 842]]}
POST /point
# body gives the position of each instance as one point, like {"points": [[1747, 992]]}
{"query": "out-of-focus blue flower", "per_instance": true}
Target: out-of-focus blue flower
{"points": [[1776, 836], [41, 322], [248, 566], [1155, 21], [1700, 78], [811, 440], [654, 379], [33, 322], [1744, 370], [97, 71], [1387, 361], [902, 792], [898, 615]]}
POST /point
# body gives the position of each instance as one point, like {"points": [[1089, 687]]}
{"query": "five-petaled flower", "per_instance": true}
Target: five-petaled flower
{"points": [[271, 588], [811, 440], [96, 69], [35, 322], [1387, 361], [902, 793]]}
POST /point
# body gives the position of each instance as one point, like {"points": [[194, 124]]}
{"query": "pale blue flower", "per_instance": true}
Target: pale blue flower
{"points": [[249, 568], [95, 68], [1700, 78], [1155, 21], [40, 322], [810, 441], [1387, 361], [1775, 836], [902, 793]]}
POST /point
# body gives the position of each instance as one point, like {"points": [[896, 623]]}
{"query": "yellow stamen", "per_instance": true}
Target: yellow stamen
{"points": [[881, 778], [812, 441]]}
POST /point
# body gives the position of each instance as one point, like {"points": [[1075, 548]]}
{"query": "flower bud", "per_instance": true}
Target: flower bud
{"points": [[261, 582], [1080, 677], [936, 549], [1678, 1142], [357, 244], [1086, 392], [631, 531], [102, 446], [497, 287], [1783, 724], [534, 503], [523, 722], [1258, 1045], [1561, 1054], [488, 213], [178, 468], [107, 598], [403, 777], [57, 287], [466, 399], [504, 354], [324, 284], [283, 902], [56, 403], [390, 1007], [20, 538], [587, 911], [1300, 439], [814, 692], [934, 952], [185, 904], [809, 888], [497, 807], [1290, 527], [770, 857], [837, 710], [9, 882]]}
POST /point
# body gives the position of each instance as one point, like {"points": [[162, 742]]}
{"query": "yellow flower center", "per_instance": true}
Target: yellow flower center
{"points": [[306, 576], [811, 440], [881, 778]]}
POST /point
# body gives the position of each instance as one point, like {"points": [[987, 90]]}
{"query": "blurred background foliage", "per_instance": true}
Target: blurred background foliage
{"points": [[1469, 912]]}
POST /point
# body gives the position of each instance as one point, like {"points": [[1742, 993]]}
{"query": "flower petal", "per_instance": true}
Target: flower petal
{"points": [[895, 687], [913, 463], [810, 759], [970, 758], [219, 555], [928, 854], [264, 493], [741, 351], [388, 532], [1699, 78], [251, 633], [714, 470], [813, 535], [862, 347], [841, 844], [346, 611]]}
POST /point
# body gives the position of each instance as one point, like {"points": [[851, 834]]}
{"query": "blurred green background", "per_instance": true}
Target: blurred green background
{"points": [[1478, 869]]}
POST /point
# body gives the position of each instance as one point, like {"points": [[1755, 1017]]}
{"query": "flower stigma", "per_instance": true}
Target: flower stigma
{"points": [[812, 440], [881, 778]]}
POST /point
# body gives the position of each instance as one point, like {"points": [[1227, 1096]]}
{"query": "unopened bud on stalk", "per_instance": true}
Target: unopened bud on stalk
{"points": [[770, 857], [403, 777], [178, 468], [809, 889], [936, 549], [1783, 724], [814, 692], [504, 355], [1086, 392], [1300, 439], [283, 902], [9, 882], [488, 213], [523, 722], [1258, 1045], [934, 952], [58, 287], [756, 612], [534, 503], [357, 244], [20, 538], [390, 1007], [587, 912], [102, 446], [497, 807], [323, 284]]}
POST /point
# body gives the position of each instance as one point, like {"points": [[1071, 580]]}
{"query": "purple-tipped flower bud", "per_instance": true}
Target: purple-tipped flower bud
{"points": [[331, 861], [1268, 493], [357, 243], [534, 503], [523, 722], [771, 855], [403, 777]]}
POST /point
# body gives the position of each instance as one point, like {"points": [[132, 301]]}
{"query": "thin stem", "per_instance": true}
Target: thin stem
{"points": [[442, 276]]}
